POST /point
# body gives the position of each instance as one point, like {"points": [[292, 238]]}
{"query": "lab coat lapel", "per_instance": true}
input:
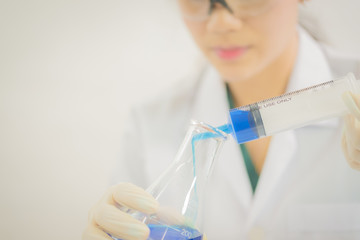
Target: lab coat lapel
{"points": [[281, 151], [211, 106], [311, 68]]}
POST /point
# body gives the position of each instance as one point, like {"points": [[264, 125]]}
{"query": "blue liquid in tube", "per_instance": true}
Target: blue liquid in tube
{"points": [[245, 125]]}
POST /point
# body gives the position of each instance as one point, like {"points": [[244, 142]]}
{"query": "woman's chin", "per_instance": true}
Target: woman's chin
{"points": [[232, 71], [236, 74]]}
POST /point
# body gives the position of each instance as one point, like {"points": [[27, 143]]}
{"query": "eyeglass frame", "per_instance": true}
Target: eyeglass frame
{"points": [[227, 7]]}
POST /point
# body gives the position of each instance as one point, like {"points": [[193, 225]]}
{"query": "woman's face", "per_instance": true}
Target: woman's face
{"points": [[241, 47]]}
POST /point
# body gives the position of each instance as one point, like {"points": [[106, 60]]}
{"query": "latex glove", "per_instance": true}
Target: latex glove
{"points": [[106, 216], [351, 135]]}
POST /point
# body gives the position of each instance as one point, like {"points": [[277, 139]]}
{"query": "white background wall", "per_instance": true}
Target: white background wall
{"points": [[69, 70]]}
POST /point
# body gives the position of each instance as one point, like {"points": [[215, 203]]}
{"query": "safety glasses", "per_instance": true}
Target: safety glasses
{"points": [[200, 10]]}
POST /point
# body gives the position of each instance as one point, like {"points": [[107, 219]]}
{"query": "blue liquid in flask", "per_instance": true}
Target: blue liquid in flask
{"points": [[163, 232]]}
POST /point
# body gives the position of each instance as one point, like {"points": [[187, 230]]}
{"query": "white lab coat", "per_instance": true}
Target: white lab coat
{"points": [[306, 189]]}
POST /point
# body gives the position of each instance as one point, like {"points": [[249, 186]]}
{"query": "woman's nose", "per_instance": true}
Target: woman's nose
{"points": [[222, 20]]}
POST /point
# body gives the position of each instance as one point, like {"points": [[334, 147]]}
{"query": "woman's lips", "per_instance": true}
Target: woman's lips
{"points": [[230, 53]]}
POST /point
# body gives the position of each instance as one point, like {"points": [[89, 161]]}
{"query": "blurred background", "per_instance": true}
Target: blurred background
{"points": [[69, 71]]}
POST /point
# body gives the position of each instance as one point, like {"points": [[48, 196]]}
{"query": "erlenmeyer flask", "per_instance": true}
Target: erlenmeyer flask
{"points": [[180, 190]]}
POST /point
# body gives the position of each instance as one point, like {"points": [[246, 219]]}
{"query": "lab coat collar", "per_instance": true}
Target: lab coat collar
{"points": [[210, 103], [311, 68]]}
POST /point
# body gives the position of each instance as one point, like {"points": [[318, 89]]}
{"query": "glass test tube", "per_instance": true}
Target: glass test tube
{"points": [[291, 110]]}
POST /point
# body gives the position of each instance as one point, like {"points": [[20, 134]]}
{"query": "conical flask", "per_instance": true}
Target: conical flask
{"points": [[180, 190]]}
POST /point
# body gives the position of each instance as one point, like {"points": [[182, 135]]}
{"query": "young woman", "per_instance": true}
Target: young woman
{"points": [[294, 185]]}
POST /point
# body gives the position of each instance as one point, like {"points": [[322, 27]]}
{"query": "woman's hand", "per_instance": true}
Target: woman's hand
{"points": [[107, 218], [351, 135]]}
